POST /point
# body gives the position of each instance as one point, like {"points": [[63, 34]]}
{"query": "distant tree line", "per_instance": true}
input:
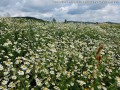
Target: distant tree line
{"points": [[54, 20]]}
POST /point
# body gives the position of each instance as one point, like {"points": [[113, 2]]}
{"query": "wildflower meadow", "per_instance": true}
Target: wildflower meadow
{"points": [[38, 55]]}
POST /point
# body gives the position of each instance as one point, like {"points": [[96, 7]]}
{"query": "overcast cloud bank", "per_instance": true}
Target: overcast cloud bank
{"points": [[48, 9]]}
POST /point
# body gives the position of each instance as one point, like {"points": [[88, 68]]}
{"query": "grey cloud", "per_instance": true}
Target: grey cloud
{"points": [[97, 6], [39, 6], [82, 9], [4, 3], [77, 11]]}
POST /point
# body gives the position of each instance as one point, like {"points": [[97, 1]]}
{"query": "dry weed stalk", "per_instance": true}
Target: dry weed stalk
{"points": [[98, 54]]}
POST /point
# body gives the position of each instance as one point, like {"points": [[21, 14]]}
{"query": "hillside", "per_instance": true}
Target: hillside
{"points": [[30, 18]]}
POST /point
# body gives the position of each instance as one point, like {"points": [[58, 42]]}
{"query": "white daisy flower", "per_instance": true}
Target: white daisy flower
{"points": [[20, 72], [1, 67]]}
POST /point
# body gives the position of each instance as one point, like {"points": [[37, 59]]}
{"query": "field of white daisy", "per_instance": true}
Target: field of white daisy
{"points": [[58, 56]]}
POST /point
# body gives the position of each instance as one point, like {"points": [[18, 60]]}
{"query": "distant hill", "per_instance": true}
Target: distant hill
{"points": [[31, 18], [111, 23], [81, 22], [91, 22]]}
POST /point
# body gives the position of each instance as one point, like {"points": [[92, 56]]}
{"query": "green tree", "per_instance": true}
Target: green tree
{"points": [[54, 20], [65, 21]]}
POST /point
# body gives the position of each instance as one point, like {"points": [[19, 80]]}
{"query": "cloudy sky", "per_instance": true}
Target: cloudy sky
{"points": [[80, 10]]}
